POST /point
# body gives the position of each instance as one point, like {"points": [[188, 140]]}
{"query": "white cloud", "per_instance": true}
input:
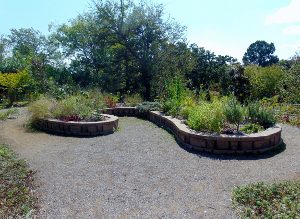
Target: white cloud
{"points": [[287, 14], [291, 30]]}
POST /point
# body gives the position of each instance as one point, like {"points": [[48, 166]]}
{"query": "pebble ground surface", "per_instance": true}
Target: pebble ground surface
{"points": [[140, 172]]}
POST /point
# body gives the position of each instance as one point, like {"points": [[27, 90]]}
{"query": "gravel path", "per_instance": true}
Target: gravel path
{"points": [[139, 172]]}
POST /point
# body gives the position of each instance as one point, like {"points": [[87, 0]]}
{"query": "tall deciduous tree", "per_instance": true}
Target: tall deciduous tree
{"points": [[260, 53], [120, 45], [141, 29]]}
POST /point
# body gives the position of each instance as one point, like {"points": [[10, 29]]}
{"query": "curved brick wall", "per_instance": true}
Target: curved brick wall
{"points": [[80, 128], [219, 143]]}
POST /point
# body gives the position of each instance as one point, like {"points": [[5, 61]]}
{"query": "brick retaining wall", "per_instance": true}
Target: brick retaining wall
{"points": [[217, 143], [80, 128]]}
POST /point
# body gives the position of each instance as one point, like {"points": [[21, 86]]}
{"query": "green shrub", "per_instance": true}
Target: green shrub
{"points": [[97, 98], [133, 99], [145, 107], [265, 81], [206, 116], [15, 85], [260, 115], [260, 200], [41, 108], [234, 112], [175, 93], [252, 128], [74, 105], [187, 105]]}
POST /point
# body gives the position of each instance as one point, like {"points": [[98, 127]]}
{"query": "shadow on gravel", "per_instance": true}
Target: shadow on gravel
{"points": [[265, 155]]}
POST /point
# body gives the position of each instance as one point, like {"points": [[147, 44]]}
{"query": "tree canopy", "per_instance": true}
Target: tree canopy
{"points": [[129, 47], [260, 53]]}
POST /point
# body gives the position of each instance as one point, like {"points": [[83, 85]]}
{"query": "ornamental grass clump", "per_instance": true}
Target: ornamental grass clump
{"points": [[207, 116], [42, 108]]}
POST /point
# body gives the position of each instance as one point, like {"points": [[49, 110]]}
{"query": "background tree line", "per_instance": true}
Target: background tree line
{"points": [[126, 47]]}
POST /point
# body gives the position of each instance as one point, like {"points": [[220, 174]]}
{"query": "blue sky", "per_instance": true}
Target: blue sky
{"points": [[224, 27]]}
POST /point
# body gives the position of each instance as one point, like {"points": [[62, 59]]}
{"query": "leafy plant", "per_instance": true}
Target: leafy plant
{"points": [[187, 105], [265, 81], [175, 93], [252, 128], [207, 116], [260, 200], [260, 115], [234, 112]]}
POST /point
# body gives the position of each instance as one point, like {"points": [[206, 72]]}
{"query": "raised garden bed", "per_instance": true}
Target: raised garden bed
{"points": [[215, 143], [71, 128]]}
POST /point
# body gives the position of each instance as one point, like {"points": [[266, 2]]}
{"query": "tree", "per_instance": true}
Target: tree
{"points": [[119, 45], [289, 85], [141, 29], [208, 69], [260, 53], [14, 84]]}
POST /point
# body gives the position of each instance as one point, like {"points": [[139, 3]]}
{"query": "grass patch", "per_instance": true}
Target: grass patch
{"points": [[16, 186], [261, 200], [7, 113]]}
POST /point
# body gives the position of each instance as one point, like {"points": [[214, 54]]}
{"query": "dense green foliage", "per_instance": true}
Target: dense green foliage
{"points": [[145, 107], [131, 51], [261, 115], [16, 186], [260, 200], [15, 85], [174, 95], [216, 113], [260, 53], [207, 116], [265, 81], [83, 106]]}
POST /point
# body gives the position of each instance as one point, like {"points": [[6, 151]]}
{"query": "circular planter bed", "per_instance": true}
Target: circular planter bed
{"points": [[215, 143], [81, 128]]}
